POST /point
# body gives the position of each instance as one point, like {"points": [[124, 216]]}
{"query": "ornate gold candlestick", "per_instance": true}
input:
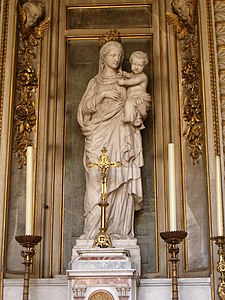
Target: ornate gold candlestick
{"points": [[220, 242], [102, 239], [29, 242], [173, 239]]}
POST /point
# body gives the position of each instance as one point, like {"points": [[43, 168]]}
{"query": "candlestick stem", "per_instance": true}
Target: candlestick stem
{"points": [[173, 239], [220, 242], [28, 242]]}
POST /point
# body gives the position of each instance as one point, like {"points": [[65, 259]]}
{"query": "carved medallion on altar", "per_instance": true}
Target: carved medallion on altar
{"points": [[101, 295]]}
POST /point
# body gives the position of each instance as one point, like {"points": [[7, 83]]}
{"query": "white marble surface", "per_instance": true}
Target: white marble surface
{"points": [[107, 269], [129, 245], [40, 289], [154, 289], [189, 288]]}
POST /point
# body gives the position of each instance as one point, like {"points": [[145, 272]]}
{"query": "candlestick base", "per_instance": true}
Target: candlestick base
{"points": [[29, 242], [220, 242], [173, 239]]}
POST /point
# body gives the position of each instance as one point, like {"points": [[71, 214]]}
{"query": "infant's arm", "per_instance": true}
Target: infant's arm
{"points": [[126, 74], [136, 80]]}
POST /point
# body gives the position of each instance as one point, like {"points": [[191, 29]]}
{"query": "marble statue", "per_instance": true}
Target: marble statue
{"points": [[100, 116], [138, 100]]}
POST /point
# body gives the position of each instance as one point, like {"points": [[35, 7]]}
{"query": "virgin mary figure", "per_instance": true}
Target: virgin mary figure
{"points": [[100, 116]]}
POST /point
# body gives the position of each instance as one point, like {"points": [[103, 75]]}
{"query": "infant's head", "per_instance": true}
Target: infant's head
{"points": [[35, 12], [181, 8], [139, 55], [138, 60]]}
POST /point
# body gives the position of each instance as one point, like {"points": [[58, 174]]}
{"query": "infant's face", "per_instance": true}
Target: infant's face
{"points": [[33, 13], [181, 8], [137, 65]]}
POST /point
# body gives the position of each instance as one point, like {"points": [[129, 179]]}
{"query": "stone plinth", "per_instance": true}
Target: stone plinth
{"points": [[111, 271], [130, 245]]}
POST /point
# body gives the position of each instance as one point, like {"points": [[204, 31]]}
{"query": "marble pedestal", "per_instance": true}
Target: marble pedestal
{"points": [[130, 245], [110, 273]]}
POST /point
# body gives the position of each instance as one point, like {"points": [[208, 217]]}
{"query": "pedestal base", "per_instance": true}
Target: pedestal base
{"points": [[130, 245], [110, 272]]}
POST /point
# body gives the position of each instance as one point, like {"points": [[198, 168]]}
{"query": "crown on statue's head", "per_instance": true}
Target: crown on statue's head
{"points": [[112, 35]]}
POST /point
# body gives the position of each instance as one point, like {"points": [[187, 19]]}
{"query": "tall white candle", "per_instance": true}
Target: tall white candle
{"points": [[29, 192], [172, 188], [219, 201]]}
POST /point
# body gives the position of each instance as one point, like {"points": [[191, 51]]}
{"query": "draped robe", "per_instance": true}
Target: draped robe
{"points": [[102, 125]]}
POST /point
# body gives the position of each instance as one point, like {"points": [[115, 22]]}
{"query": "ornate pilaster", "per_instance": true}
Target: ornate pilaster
{"points": [[219, 11], [32, 25], [184, 20], [4, 13]]}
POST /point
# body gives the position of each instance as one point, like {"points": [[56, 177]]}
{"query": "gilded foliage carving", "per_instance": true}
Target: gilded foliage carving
{"points": [[32, 25], [184, 20]]}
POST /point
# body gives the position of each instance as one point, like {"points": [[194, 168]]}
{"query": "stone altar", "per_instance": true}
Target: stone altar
{"points": [[111, 271]]}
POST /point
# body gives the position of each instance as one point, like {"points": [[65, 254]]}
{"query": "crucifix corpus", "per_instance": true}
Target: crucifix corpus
{"points": [[102, 239]]}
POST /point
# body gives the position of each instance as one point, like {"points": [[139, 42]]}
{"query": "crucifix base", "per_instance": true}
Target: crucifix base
{"points": [[102, 240]]}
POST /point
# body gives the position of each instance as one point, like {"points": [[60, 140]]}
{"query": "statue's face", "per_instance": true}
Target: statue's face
{"points": [[113, 58], [137, 65], [181, 8], [33, 13]]}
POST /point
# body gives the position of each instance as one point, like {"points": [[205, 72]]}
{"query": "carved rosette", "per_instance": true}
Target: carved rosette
{"points": [[32, 25], [219, 10], [184, 20]]}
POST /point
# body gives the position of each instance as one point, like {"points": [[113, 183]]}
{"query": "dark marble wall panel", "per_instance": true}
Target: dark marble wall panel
{"points": [[138, 16]]}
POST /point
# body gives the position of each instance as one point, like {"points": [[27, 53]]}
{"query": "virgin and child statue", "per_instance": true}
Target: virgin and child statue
{"points": [[111, 114]]}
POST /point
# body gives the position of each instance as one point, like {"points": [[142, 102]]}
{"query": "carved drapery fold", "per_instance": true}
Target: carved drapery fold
{"points": [[184, 20], [32, 25], [219, 11]]}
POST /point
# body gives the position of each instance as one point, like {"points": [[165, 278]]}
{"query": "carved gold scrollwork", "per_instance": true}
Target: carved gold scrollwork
{"points": [[184, 20], [32, 25]]}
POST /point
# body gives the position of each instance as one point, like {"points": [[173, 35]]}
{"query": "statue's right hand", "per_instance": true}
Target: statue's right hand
{"points": [[112, 94]]}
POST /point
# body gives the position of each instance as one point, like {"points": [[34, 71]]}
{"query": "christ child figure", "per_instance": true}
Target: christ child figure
{"points": [[138, 100]]}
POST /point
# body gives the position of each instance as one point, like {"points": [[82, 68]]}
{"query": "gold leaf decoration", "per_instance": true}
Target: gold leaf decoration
{"points": [[32, 25], [101, 295], [112, 35], [184, 20]]}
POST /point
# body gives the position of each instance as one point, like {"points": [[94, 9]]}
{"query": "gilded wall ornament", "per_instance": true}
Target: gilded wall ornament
{"points": [[32, 25], [184, 20]]}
